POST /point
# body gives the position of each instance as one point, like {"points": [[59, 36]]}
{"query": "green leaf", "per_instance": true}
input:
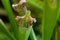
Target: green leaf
{"points": [[50, 16], [14, 26], [4, 37], [24, 33], [36, 3], [5, 30]]}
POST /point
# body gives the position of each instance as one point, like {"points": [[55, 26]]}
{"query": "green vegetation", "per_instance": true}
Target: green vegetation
{"points": [[44, 26]]}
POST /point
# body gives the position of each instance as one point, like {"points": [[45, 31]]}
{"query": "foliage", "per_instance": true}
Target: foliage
{"points": [[47, 15]]}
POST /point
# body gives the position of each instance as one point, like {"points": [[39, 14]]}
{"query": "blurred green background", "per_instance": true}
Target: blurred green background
{"points": [[36, 13]]}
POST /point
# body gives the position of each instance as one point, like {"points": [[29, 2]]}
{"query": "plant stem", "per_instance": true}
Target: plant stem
{"points": [[8, 8], [32, 35]]}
